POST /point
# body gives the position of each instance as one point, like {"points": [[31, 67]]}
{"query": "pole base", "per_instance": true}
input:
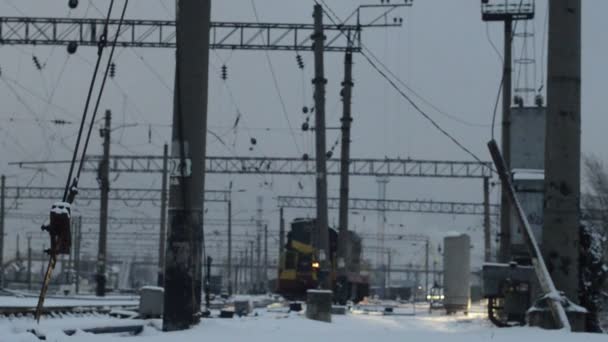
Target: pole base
{"points": [[539, 315]]}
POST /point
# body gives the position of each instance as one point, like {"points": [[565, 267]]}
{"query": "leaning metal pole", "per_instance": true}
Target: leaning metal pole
{"points": [[545, 281]]}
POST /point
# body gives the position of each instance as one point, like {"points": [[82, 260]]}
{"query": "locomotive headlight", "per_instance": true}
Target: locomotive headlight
{"points": [[315, 265]]}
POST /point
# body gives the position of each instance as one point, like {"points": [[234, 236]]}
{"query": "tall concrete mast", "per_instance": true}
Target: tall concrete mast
{"points": [[563, 146], [183, 260]]}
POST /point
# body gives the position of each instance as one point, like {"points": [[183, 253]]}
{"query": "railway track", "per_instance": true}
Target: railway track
{"points": [[20, 311]]}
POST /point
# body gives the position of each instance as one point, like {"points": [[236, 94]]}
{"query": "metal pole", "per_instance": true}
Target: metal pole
{"points": [[2, 213], [258, 245], [104, 185], [487, 233], [70, 266], [321, 164], [258, 263], [426, 268], [77, 252], [251, 267], [388, 270], [163, 219], [229, 244], [281, 243], [18, 252], [265, 270], [505, 207], [563, 147], [344, 262], [29, 262], [183, 260]]}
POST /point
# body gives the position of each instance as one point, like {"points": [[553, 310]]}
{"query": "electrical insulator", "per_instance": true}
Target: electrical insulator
{"points": [[305, 156], [224, 72], [329, 154], [72, 47], [37, 63], [254, 141], [73, 4], [300, 61], [305, 126], [305, 110], [112, 70]]}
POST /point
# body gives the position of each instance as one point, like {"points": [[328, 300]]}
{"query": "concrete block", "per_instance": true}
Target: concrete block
{"points": [[318, 305], [151, 300], [338, 310], [242, 307], [295, 306]]}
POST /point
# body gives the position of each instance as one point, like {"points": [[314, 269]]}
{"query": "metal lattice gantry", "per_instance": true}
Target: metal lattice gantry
{"points": [[161, 34], [412, 206], [124, 221], [115, 194], [295, 166], [501, 10]]}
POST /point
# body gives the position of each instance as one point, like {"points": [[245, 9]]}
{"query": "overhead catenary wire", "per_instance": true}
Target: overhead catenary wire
{"points": [[101, 46], [276, 84], [101, 89], [396, 87]]}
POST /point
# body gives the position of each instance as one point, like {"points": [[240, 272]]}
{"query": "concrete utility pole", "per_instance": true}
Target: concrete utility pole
{"points": [[321, 150], [251, 268], [29, 262], [258, 244], [17, 244], [505, 207], [104, 186], [183, 259], [563, 147], [265, 270], [344, 262], [229, 270], [78, 235], [281, 243], [487, 233], [426, 268], [2, 212], [163, 219]]}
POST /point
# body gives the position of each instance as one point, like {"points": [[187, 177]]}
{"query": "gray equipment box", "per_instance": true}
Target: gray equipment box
{"points": [[151, 301], [498, 277]]}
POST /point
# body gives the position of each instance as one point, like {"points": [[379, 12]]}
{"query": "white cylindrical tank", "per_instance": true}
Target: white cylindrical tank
{"points": [[457, 273]]}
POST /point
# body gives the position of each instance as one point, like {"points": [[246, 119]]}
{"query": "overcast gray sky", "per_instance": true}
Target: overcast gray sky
{"points": [[442, 52]]}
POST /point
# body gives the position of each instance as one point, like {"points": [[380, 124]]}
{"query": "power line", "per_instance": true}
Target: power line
{"points": [[276, 83], [364, 53]]}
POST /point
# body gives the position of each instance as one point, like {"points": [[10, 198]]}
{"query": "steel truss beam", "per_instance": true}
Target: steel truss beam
{"points": [[115, 194], [416, 206], [161, 34], [296, 166], [412, 206], [119, 221]]}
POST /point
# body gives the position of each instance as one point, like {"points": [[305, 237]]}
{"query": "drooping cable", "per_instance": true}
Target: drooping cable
{"points": [[101, 89], [400, 91], [101, 46]]}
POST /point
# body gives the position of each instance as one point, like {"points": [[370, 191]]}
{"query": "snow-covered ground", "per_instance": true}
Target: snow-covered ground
{"points": [[293, 327]]}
